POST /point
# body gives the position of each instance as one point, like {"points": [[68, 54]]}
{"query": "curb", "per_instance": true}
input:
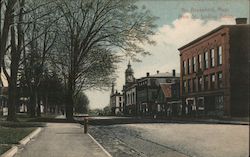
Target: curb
{"points": [[103, 149], [30, 136], [13, 150]]}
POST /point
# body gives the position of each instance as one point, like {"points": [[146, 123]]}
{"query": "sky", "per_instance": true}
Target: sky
{"points": [[180, 21]]}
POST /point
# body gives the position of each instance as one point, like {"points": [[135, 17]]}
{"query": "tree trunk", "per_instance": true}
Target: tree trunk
{"points": [[69, 106], [12, 102], [38, 106], [32, 105]]}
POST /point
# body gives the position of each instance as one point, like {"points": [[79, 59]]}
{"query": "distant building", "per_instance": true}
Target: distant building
{"points": [[3, 98], [116, 102], [215, 71], [147, 90], [129, 92], [168, 101]]}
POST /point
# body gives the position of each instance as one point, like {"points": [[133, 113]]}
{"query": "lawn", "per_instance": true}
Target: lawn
{"points": [[13, 135], [4, 148], [12, 132]]}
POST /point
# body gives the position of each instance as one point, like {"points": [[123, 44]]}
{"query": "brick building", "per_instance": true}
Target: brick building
{"points": [[168, 99], [147, 90], [215, 71]]}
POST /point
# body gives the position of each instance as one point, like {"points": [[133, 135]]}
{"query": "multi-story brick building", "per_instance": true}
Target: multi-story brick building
{"points": [[215, 71]]}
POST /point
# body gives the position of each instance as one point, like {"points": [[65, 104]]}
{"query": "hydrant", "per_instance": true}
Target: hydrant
{"points": [[85, 125]]}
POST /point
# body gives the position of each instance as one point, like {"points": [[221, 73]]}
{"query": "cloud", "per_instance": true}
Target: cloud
{"points": [[165, 55]]}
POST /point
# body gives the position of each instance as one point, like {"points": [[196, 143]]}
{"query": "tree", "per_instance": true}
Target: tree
{"points": [[92, 32], [81, 103]]}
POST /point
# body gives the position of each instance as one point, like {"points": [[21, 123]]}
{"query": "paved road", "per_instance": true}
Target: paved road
{"points": [[174, 140], [62, 140]]}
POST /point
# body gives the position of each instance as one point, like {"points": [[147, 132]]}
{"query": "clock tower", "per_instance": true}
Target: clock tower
{"points": [[129, 74]]}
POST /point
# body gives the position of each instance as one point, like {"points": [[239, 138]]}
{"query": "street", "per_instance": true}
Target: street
{"points": [[178, 140]]}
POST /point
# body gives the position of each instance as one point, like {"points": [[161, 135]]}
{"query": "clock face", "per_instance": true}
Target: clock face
{"points": [[130, 78]]}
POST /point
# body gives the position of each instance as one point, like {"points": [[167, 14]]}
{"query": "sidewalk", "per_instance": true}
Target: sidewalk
{"points": [[62, 140]]}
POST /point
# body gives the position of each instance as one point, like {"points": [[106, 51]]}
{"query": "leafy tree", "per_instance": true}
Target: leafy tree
{"points": [[81, 103], [92, 32]]}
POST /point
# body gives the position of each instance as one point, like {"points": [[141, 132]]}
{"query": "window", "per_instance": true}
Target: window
{"points": [[194, 84], [220, 82], [184, 67], [212, 81], [189, 66], [199, 83], [133, 98], [206, 80], [212, 62], [219, 55], [206, 60], [120, 98], [199, 62], [189, 86], [184, 86], [194, 64]]}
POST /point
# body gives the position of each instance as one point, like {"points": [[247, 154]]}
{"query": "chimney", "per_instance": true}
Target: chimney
{"points": [[147, 74], [240, 21], [157, 71], [173, 72]]}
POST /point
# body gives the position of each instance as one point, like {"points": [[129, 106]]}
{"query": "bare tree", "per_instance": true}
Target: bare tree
{"points": [[92, 34]]}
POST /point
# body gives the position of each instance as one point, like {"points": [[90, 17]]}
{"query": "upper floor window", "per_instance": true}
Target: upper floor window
{"points": [[189, 85], [184, 67], [206, 80], [206, 60], [219, 55], [189, 66], [194, 64], [184, 86], [220, 82], [212, 81], [212, 62], [199, 61], [199, 83], [194, 84]]}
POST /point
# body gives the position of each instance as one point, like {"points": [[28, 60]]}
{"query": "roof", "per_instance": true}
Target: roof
{"points": [[160, 75], [166, 74], [209, 33], [166, 89]]}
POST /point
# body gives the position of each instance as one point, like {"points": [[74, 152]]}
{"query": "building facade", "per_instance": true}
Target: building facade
{"points": [[130, 92], [168, 101], [147, 90], [116, 102], [215, 72]]}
